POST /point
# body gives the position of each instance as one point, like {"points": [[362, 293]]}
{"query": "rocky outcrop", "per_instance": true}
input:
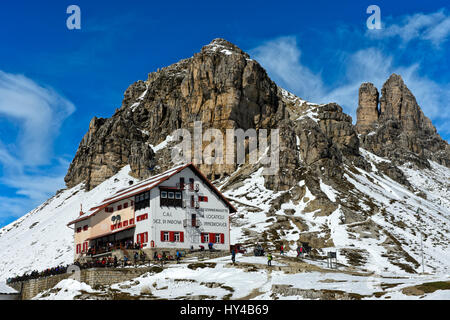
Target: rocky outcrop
{"points": [[220, 86], [108, 145], [367, 112], [400, 132], [224, 88]]}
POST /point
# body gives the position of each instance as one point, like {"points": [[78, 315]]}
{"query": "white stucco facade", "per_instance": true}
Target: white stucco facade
{"points": [[179, 209]]}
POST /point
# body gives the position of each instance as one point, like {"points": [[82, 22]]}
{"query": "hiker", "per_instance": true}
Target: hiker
{"points": [[178, 256], [301, 252], [210, 246], [233, 255], [136, 255], [269, 259], [142, 254], [298, 252], [155, 256], [281, 250]]}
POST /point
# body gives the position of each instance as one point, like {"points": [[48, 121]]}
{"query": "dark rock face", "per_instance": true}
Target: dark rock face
{"points": [[400, 132], [220, 86], [105, 149], [225, 89], [367, 112]]}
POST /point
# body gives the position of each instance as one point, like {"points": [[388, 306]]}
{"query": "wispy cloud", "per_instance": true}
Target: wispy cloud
{"points": [[282, 59], [28, 164], [433, 27]]}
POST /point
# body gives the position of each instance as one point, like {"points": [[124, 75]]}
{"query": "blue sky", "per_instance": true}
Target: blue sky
{"points": [[54, 80]]}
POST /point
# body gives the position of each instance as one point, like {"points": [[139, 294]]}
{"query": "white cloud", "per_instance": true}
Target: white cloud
{"points": [[38, 112], [282, 60], [433, 27], [365, 65]]}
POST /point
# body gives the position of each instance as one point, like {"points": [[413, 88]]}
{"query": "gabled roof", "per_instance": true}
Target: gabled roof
{"points": [[149, 184]]}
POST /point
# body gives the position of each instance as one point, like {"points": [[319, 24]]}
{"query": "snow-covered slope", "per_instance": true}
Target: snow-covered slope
{"points": [[385, 236], [385, 242], [41, 239]]}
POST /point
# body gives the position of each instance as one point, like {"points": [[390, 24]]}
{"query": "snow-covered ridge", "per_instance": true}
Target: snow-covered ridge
{"points": [[41, 239]]}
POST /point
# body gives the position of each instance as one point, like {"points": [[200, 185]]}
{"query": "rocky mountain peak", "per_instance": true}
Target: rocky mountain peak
{"points": [[219, 86], [395, 126], [223, 46]]}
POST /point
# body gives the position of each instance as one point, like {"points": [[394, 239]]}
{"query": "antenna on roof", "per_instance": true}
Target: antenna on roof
{"points": [[81, 209]]}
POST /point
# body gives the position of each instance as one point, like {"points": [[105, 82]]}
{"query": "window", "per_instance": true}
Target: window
{"points": [[85, 228], [109, 209], [125, 205], [142, 217], [171, 198], [119, 225], [205, 237], [78, 248], [119, 207], [125, 223], [182, 183], [217, 240], [142, 200], [78, 229], [131, 221], [202, 199], [142, 237], [171, 236], [85, 246], [164, 236]]}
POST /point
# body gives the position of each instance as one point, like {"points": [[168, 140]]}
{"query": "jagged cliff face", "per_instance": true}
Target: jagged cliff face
{"points": [[220, 86], [331, 189], [396, 127], [224, 88]]}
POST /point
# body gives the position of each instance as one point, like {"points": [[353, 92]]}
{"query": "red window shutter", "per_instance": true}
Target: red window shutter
{"points": [[212, 238], [146, 237], [131, 221], [162, 236], [205, 199], [112, 227], [203, 237], [222, 238], [171, 236], [181, 236]]}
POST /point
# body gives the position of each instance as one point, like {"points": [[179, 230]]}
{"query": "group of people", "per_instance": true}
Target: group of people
{"points": [[300, 253], [36, 274], [109, 246]]}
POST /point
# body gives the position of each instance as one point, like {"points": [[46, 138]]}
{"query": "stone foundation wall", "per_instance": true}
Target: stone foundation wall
{"points": [[93, 277]]}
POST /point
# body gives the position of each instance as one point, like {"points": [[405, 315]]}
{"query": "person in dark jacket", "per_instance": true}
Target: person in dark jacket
{"points": [[233, 255]]}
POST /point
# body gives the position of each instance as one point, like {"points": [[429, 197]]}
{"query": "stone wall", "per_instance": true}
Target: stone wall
{"points": [[93, 277]]}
